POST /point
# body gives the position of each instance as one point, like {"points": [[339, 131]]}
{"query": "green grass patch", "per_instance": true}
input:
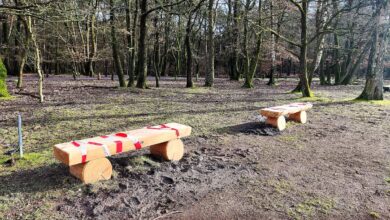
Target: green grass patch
{"points": [[29, 160], [308, 208], [280, 186], [314, 99], [7, 98], [373, 102], [141, 164], [374, 214], [288, 138]]}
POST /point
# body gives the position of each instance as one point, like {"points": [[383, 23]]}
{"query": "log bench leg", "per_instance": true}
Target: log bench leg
{"points": [[171, 150], [279, 123], [300, 117], [92, 171]]}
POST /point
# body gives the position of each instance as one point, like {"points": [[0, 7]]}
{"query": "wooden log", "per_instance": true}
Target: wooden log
{"points": [[71, 155], [277, 111], [300, 117], [92, 171], [279, 122], [170, 150]]}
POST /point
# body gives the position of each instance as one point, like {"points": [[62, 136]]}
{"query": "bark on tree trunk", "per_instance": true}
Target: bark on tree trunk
{"points": [[142, 55], [3, 77], [306, 92], [209, 81], [115, 50], [92, 33], [373, 89], [271, 80], [37, 58], [130, 47], [189, 52], [235, 75]]}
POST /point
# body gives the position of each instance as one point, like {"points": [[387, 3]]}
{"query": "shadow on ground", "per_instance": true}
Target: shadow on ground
{"points": [[41, 179], [256, 128]]}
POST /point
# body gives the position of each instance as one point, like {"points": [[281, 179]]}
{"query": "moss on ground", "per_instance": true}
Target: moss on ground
{"points": [[373, 102], [281, 186], [3, 77], [315, 99], [374, 215], [309, 207]]}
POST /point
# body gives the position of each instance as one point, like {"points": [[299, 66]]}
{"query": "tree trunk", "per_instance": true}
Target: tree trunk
{"points": [[253, 62], [373, 89], [115, 50], [92, 33], [142, 56], [37, 58], [156, 54], [233, 61], [3, 77], [271, 80], [209, 81], [187, 42], [306, 92], [130, 44]]}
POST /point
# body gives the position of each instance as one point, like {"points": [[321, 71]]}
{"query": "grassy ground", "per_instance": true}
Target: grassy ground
{"points": [[336, 166]]}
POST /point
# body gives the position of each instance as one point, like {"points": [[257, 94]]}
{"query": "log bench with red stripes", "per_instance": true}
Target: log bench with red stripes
{"points": [[87, 159], [295, 111]]}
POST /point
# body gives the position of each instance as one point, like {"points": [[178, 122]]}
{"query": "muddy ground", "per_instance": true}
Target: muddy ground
{"points": [[337, 166]]}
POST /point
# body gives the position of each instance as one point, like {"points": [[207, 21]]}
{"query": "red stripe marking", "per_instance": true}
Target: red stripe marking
{"points": [[83, 158], [95, 143], [137, 145], [121, 135], [75, 144], [119, 146], [163, 126]]}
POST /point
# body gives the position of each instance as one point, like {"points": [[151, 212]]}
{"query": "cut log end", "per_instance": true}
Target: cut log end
{"points": [[300, 117], [279, 123], [92, 171], [172, 150]]}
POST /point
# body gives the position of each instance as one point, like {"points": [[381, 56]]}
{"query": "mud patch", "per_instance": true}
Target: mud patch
{"points": [[141, 190], [255, 128]]}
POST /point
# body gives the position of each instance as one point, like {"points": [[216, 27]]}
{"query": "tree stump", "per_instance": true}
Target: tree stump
{"points": [[172, 150], [92, 171], [300, 117], [279, 122]]}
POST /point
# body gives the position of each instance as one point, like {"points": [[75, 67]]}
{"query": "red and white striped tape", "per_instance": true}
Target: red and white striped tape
{"points": [[134, 139], [84, 151], [164, 127]]}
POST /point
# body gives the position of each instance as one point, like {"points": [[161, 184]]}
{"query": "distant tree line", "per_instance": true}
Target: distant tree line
{"points": [[241, 39]]}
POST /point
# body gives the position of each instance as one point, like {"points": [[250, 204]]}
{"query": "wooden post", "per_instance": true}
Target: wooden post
{"points": [[171, 150], [300, 117], [20, 135], [279, 122], [92, 171]]}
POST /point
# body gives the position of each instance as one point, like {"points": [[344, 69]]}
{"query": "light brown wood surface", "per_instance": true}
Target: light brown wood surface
{"points": [[277, 111], [70, 155], [300, 117], [92, 171], [171, 150], [279, 122]]}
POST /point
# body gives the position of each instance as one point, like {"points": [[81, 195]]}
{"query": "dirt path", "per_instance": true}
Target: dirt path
{"points": [[334, 167]]}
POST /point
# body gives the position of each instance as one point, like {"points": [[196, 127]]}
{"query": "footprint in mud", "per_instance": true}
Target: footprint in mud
{"points": [[167, 180]]}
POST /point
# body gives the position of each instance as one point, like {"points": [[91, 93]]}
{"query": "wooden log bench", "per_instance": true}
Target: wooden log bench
{"points": [[295, 111], [87, 158], [386, 88]]}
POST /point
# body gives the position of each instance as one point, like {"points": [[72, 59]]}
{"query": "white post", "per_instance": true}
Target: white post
{"points": [[20, 136]]}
